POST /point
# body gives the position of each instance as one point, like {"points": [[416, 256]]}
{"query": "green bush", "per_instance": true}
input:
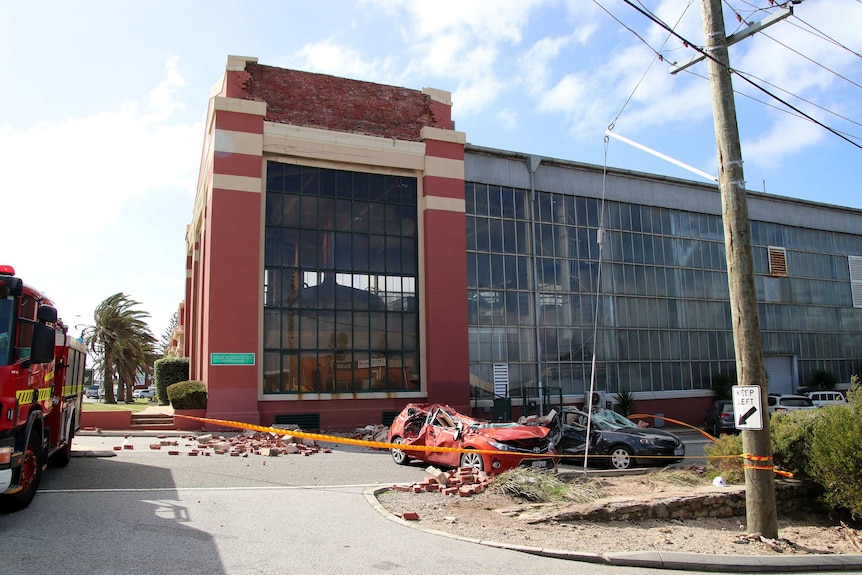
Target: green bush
{"points": [[168, 371], [836, 457], [791, 434], [625, 402], [822, 379], [721, 384], [188, 395], [719, 461]]}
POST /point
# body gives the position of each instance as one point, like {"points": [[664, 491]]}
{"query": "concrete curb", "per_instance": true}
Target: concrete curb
{"points": [[657, 560]]}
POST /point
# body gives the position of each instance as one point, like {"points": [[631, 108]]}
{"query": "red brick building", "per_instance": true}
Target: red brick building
{"points": [[326, 254]]}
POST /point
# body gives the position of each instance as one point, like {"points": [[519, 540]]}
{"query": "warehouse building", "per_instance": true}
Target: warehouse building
{"points": [[349, 252]]}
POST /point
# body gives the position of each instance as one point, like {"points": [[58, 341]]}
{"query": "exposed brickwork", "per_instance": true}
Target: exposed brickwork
{"points": [[339, 104]]}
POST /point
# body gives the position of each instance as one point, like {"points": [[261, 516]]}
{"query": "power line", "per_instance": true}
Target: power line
{"points": [[658, 53], [797, 52], [823, 35], [784, 110], [705, 54]]}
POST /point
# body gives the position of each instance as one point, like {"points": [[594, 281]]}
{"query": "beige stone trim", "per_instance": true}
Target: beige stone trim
{"points": [[444, 168], [237, 63], [356, 149], [445, 204], [237, 183], [441, 135], [220, 103], [441, 96], [231, 142]]}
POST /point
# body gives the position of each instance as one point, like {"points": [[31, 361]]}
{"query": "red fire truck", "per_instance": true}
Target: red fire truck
{"points": [[41, 383]]}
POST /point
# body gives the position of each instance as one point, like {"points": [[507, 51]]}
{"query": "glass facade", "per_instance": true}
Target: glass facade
{"points": [[662, 310], [340, 280]]}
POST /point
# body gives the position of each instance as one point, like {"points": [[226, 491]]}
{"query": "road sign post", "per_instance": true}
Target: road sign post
{"points": [[747, 408]]}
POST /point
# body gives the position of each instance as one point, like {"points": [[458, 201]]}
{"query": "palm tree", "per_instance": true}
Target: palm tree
{"points": [[121, 342]]}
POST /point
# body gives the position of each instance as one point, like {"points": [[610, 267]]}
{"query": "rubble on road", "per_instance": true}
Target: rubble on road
{"points": [[463, 481], [378, 433], [242, 445]]}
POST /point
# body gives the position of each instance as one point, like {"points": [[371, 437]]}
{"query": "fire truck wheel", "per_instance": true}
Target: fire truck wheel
{"points": [[28, 477], [60, 458]]}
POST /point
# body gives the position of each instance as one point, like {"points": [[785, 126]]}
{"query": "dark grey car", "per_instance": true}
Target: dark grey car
{"points": [[719, 418]]}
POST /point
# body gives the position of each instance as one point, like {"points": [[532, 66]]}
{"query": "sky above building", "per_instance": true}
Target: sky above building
{"points": [[103, 106]]}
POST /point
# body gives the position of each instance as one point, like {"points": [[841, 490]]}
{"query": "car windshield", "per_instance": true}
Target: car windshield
{"points": [[607, 419]]}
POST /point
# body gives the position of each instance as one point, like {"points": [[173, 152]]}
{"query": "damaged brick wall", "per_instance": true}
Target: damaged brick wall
{"points": [[332, 103]]}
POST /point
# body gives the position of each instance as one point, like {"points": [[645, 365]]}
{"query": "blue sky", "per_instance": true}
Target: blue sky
{"points": [[103, 104]]}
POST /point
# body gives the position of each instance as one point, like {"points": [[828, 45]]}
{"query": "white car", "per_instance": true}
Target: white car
{"points": [[148, 393], [821, 398], [778, 402]]}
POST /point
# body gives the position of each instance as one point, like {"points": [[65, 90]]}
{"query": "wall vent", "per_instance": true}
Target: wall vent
{"points": [[305, 421], [856, 279], [777, 261], [388, 417]]}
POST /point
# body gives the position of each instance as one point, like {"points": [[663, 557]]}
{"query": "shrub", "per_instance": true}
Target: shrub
{"points": [[836, 459], [723, 459], [538, 486], [625, 402], [721, 384], [791, 434], [188, 395], [168, 371], [822, 379]]}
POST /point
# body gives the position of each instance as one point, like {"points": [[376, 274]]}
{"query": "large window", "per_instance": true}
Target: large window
{"points": [[340, 310], [663, 304]]}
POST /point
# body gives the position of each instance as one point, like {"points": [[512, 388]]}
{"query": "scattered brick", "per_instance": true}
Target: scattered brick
{"points": [[410, 516], [155, 446]]}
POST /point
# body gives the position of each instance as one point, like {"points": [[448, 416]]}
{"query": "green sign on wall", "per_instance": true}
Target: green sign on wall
{"points": [[231, 359]]}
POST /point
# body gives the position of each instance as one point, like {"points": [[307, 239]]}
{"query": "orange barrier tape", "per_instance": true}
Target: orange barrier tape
{"points": [[401, 446], [684, 424], [751, 457], [360, 442]]}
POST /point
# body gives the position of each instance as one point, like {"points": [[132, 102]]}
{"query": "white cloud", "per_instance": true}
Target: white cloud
{"points": [[786, 137], [534, 63], [78, 187], [486, 21], [328, 57], [508, 119]]}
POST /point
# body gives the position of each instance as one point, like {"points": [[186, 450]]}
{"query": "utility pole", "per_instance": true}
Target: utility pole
{"points": [[760, 510]]}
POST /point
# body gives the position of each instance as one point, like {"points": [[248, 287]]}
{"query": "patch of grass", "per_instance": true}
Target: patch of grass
{"points": [[678, 477], [542, 487], [139, 405]]}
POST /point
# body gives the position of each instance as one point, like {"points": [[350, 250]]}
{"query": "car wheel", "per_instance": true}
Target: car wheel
{"points": [[715, 430], [398, 455], [621, 457], [474, 460], [28, 477]]}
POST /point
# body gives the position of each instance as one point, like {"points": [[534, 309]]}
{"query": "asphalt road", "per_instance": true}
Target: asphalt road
{"points": [[143, 511]]}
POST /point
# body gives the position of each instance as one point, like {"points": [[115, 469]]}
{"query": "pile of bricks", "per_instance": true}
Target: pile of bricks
{"points": [[245, 444], [372, 433], [464, 481]]}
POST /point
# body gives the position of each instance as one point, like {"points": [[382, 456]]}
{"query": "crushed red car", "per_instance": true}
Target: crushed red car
{"points": [[530, 443]]}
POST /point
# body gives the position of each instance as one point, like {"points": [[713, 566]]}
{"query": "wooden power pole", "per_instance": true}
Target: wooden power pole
{"points": [[760, 508]]}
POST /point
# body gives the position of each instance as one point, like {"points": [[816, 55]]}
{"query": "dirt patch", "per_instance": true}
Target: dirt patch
{"points": [[496, 517]]}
